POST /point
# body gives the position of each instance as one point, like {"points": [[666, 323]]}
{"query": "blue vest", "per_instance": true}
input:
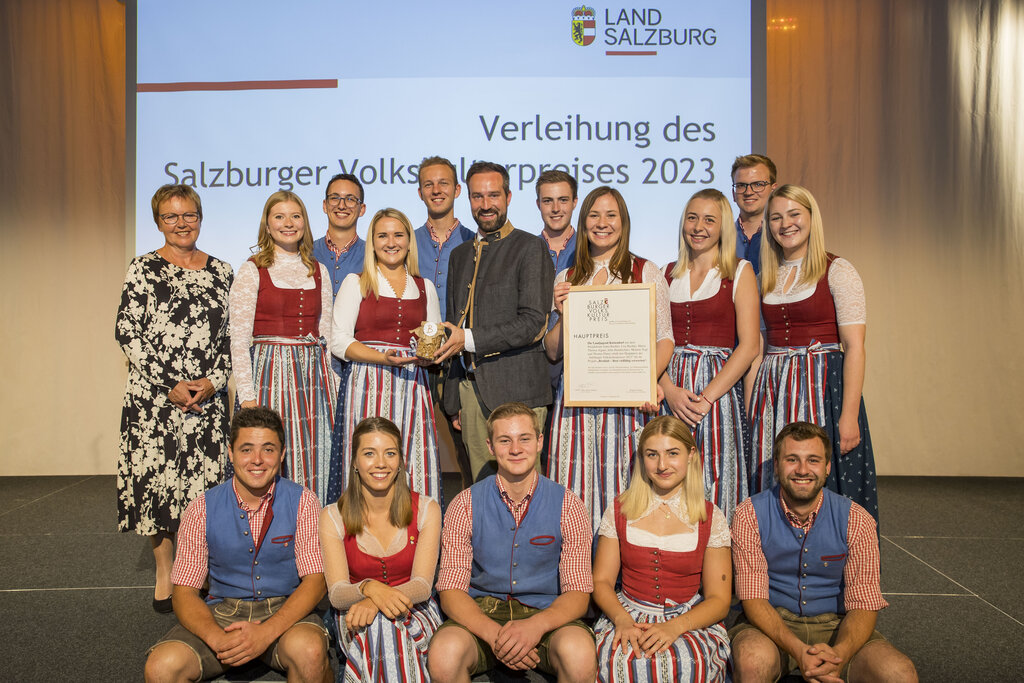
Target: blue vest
{"points": [[517, 562], [338, 267], [805, 571], [237, 570]]}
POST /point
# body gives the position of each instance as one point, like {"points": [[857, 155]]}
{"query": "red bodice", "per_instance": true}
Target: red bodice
{"points": [[802, 322], [710, 322], [392, 570], [655, 575], [287, 312], [390, 320]]}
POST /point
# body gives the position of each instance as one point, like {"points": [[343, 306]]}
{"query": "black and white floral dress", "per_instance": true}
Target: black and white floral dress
{"points": [[172, 325]]}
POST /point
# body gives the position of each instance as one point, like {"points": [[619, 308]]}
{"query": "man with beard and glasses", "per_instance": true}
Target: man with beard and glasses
{"points": [[807, 571], [498, 297]]}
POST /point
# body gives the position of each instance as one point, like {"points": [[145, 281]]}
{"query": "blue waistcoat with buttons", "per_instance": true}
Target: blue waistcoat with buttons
{"points": [[517, 562], [805, 570], [236, 569], [433, 257]]}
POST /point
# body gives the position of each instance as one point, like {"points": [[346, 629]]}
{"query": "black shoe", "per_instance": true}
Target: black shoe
{"points": [[162, 606]]}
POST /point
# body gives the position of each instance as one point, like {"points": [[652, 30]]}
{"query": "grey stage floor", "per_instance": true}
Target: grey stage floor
{"points": [[75, 594]]}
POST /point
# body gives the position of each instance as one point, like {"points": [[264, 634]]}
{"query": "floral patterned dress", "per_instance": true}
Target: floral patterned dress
{"points": [[172, 325]]}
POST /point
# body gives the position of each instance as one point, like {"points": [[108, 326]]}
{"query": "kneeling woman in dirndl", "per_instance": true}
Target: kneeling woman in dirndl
{"points": [[380, 544], [667, 542]]}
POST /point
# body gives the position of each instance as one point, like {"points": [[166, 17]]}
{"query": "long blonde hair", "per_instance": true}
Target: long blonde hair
{"points": [[815, 262], [621, 262], [265, 257], [638, 497], [368, 278], [726, 260]]}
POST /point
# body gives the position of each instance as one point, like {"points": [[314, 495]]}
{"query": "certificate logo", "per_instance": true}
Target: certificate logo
{"points": [[597, 310], [584, 25]]}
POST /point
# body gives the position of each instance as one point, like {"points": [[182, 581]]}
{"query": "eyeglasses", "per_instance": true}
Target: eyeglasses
{"points": [[757, 186], [172, 218], [350, 200]]}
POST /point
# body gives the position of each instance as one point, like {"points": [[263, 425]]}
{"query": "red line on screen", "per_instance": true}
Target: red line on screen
{"points": [[237, 85], [642, 53]]}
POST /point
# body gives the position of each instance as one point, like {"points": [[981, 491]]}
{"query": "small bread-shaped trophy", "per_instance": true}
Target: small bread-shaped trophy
{"points": [[429, 337]]}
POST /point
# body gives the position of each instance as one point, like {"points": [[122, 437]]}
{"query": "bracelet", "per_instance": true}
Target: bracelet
{"points": [[706, 399]]}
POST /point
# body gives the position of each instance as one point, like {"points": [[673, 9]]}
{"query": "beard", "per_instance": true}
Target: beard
{"points": [[802, 494], [490, 224]]}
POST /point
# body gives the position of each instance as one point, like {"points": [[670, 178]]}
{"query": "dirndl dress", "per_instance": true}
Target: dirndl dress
{"points": [[390, 650], [722, 435], [399, 393], [293, 376], [705, 333], [801, 378], [402, 395], [698, 655], [806, 383], [590, 450]]}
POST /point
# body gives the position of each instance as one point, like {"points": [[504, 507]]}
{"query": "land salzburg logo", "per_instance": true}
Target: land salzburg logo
{"points": [[627, 29], [584, 25]]}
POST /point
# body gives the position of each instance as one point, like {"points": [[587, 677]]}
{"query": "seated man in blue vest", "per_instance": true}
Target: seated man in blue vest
{"points": [[515, 573], [807, 572], [255, 538]]}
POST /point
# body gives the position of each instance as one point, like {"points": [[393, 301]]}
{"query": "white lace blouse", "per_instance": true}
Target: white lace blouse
{"points": [[684, 542], [843, 282], [650, 273], [288, 272], [346, 306], [679, 290]]}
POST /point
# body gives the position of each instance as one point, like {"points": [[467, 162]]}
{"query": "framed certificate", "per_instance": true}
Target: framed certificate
{"points": [[608, 342]]}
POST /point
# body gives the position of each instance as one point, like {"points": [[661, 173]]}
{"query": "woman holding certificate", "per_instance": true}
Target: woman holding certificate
{"points": [[671, 548], [813, 369], [590, 449], [715, 324]]}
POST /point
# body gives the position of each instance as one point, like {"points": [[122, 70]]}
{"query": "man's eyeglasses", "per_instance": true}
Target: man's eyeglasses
{"points": [[757, 186], [350, 200]]}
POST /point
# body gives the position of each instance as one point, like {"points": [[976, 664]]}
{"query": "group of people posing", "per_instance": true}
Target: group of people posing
{"points": [[321, 340]]}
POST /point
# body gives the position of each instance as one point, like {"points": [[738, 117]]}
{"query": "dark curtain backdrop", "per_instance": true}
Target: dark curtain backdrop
{"points": [[901, 116]]}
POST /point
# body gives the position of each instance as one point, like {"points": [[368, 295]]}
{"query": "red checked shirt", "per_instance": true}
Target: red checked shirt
{"points": [[456, 568], [191, 562], [438, 240], [861, 574], [335, 249]]}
